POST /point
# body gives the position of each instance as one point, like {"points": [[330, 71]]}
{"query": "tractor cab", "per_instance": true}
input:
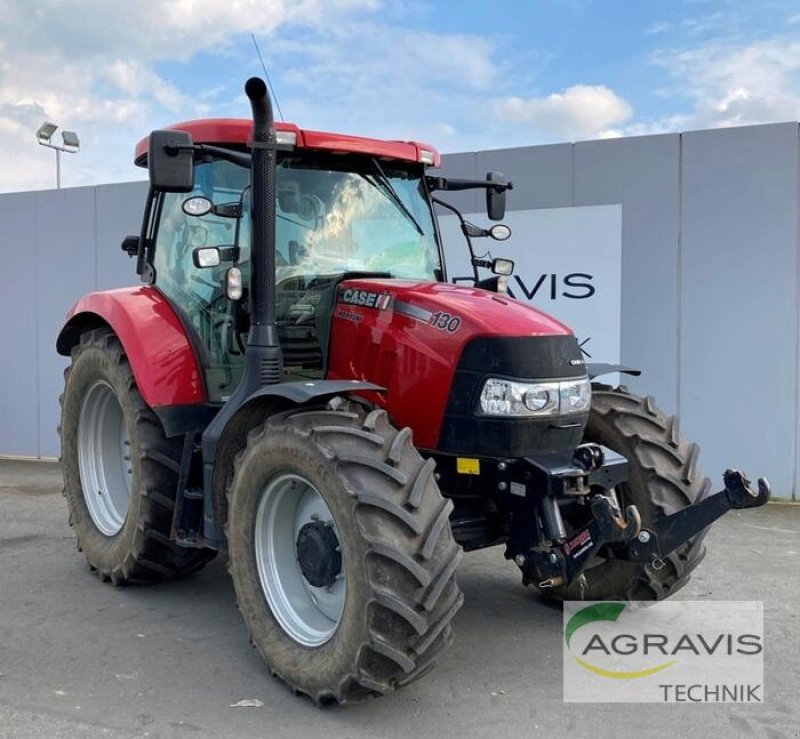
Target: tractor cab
{"points": [[337, 213]]}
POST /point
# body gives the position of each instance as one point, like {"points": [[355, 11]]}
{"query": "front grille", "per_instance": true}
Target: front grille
{"points": [[524, 358]]}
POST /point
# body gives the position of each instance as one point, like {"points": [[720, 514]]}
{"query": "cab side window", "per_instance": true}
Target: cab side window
{"points": [[199, 293]]}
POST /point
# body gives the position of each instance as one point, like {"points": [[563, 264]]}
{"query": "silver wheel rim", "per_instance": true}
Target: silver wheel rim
{"points": [[310, 615], [104, 458]]}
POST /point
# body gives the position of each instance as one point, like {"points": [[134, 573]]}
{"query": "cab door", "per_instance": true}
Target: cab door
{"points": [[217, 326]]}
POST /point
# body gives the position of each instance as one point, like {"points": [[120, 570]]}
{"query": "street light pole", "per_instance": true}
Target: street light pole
{"points": [[71, 144]]}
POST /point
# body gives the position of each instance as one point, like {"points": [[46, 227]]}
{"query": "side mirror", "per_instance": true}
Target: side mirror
{"points": [[197, 206], [170, 161], [500, 232], [496, 196]]}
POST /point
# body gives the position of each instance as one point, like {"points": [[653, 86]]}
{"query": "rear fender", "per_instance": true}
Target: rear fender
{"points": [[155, 342]]}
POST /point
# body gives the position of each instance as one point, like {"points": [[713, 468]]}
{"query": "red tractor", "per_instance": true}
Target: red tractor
{"points": [[297, 384]]}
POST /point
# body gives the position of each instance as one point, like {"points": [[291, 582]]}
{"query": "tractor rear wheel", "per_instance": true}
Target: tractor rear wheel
{"points": [[341, 552], [120, 470], [664, 478]]}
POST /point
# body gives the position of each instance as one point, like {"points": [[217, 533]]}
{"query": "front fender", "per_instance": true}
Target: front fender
{"points": [[300, 393], [153, 337], [226, 436], [598, 369]]}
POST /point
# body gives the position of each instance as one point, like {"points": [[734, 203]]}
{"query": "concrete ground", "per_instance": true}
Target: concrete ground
{"points": [[79, 658]]}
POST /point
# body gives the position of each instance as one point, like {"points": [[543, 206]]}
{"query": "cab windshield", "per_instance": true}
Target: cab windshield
{"points": [[339, 213]]}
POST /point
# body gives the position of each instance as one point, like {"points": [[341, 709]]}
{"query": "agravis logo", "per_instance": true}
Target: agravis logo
{"points": [[667, 652]]}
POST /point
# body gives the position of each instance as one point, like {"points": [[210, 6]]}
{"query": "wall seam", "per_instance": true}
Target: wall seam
{"points": [[96, 240], [679, 286], [475, 202], [37, 332], [572, 183], [796, 434]]}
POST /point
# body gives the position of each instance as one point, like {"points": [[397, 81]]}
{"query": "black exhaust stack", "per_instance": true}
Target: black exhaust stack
{"points": [[264, 363]]}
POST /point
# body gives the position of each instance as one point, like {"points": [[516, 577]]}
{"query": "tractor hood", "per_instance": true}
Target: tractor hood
{"points": [[413, 337]]}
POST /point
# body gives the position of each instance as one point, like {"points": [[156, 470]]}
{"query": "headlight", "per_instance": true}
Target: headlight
{"points": [[534, 399]]}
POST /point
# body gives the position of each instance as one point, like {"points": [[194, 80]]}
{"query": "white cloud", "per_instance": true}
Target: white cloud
{"points": [[580, 111], [733, 85], [113, 71], [156, 29], [90, 66], [373, 79]]}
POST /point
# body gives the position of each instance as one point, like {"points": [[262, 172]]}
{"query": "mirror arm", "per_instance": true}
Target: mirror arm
{"points": [[236, 157], [463, 223], [452, 184], [470, 229], [485, 263], [227, 210]]}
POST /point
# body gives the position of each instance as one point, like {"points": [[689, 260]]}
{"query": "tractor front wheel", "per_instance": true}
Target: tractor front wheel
{"points": [[341, 553], [120, 470]]}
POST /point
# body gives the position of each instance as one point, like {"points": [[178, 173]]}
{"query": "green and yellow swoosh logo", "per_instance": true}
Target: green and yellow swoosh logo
{"points": [[605, 612]]}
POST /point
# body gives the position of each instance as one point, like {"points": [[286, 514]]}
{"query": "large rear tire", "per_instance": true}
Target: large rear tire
{"points": [[120, 470], [341, 553], [664, 478]]}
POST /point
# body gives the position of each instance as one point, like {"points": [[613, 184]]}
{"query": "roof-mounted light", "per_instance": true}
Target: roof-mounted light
{"points": [[427, 157], [286, 138]]}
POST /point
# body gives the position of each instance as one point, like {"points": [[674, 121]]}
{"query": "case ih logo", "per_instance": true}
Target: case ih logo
{"points": [[380, 301]]}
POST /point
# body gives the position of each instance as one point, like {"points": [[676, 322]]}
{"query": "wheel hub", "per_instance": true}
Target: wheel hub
{"points": [[319, 554], [104, 458], [296, 548]]}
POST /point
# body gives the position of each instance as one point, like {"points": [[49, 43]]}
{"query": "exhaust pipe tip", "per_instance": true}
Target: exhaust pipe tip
{"points": [[255, 88]]}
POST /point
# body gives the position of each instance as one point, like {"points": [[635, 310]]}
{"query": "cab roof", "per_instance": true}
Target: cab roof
{"points": [[236, 132]]}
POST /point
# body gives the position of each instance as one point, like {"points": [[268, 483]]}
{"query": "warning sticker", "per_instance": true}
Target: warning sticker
{"points": [[467, 466]]}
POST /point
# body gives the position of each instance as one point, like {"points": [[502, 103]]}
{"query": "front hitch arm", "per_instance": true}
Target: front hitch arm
{"points": [[562, 564], [665, 535]]}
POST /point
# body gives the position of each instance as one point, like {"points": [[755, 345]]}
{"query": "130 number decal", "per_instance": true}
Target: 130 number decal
{"points": [[445, 322]]}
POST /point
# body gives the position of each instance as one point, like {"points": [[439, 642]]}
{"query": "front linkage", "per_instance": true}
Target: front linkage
{"points": [[557, 558]]}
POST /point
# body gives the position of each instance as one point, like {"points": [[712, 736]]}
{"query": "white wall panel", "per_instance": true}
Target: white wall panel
{"points": [[542, 175], [19, 349], [642, 174], [65, 269], [118, 214], [738, 372]]}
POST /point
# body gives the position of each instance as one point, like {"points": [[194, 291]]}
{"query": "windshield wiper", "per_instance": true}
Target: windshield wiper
{"points": [[384, 184]]}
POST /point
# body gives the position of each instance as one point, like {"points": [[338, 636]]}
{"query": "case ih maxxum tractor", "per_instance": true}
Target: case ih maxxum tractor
{"points": [[296, 383]]}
